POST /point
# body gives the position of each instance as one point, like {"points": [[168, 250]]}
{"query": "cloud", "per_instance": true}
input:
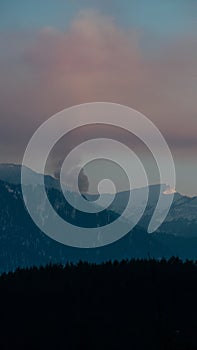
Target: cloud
{"points": [[95, 60]]}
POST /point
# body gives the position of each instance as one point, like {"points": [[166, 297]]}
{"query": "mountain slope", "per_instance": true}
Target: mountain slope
{"points": [[11, 173], [23, 244]]}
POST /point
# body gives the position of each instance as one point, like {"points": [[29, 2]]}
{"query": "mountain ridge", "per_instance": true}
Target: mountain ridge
{"points": [[22, 244]]}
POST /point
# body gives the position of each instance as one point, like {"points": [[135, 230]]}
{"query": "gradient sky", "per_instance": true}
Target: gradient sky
{"points": [[141, 53]]}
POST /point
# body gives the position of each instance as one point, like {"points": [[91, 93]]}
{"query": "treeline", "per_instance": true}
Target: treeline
{"points": [[137, 304]]}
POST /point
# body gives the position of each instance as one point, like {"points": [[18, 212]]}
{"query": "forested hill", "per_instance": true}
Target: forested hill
{"points": [[138, 304]]}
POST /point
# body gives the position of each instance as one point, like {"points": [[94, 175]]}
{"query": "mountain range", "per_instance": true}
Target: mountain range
{"points": [[22, 244]]}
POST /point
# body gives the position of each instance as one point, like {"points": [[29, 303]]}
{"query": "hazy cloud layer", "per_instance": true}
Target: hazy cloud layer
{"points": [[95, 60]]}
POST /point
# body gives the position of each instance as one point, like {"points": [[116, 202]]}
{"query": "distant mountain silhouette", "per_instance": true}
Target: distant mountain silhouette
{"points": [[23, 244], [11, 173], [181, 219]]}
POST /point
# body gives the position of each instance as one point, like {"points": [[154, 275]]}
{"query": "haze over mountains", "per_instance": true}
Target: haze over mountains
{"points": [[23, 244]]}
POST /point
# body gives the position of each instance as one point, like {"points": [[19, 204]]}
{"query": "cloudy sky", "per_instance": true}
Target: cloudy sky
{"points": [[141, 53]]}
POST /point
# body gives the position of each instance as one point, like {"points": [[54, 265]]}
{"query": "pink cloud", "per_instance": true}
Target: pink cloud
{"points": [[96, 60]]}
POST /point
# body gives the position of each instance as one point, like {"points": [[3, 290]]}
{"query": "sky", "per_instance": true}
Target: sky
{"points": [[140, 53]]}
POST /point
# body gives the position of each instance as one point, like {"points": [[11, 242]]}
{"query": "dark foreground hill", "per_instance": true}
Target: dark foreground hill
{"points": [[129, 305]]}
